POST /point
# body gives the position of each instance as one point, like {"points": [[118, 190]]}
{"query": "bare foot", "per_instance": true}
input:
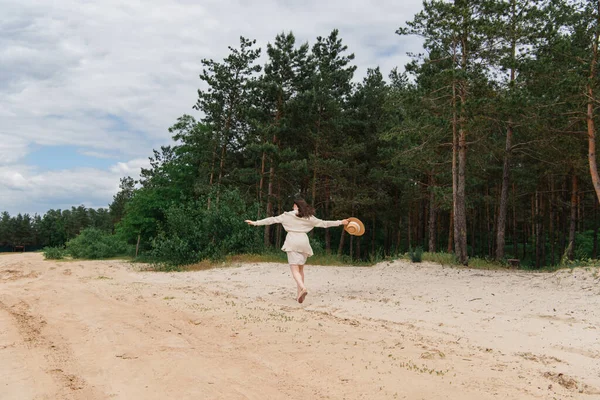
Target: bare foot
{"points": [[302, 295]]}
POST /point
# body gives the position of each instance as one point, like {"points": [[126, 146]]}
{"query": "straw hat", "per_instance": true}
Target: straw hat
{"points": [[355, 227]]}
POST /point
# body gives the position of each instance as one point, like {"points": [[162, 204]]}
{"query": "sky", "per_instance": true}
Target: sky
{"points": [[89, 88]]}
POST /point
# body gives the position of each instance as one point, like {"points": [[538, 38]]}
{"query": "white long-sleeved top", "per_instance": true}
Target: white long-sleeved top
{"points": [[297, 229]]}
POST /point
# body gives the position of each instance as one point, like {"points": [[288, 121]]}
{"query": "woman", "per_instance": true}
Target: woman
{"points": [[297, 223]]}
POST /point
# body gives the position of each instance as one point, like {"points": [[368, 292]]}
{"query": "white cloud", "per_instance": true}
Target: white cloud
{"points": [[112, 76], [131, 168], [12, 149], [96, 154], [27, 190]]}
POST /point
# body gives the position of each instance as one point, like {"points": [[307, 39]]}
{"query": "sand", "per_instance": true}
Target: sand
{"points": [[109, 330]]}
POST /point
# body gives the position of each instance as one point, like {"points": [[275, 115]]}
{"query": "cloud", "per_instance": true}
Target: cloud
{"points": [[112, 76], [28, 190], [131, 168], [96, 154], [12, 149]]}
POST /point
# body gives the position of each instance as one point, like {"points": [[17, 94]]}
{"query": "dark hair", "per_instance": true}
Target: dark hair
{"points": [[304, 209]]}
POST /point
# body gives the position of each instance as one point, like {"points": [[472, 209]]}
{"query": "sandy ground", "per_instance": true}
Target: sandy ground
{"points": [[103, 330]]}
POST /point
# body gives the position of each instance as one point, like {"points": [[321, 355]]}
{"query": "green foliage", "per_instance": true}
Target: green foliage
{"points": [[193, 232], [93, 244], [54, 253], [143, 215], [584, 245], [440, 258], [416, 256], [53, 229], [120, 200]]}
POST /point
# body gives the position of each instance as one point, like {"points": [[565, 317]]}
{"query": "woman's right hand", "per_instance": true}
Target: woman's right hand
{"points": [[249, 222]]}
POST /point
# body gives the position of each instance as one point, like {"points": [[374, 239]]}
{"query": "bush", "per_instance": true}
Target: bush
{"points": [[417, 255], [193, 233], [584, 245], [93, 243], [54, 253]]}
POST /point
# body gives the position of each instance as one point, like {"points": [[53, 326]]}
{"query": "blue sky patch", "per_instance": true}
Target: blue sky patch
{"points": [[67, 157]]}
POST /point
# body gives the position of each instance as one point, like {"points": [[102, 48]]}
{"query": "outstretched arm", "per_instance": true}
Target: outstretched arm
{"points": [[266, 221], [319, 223]]}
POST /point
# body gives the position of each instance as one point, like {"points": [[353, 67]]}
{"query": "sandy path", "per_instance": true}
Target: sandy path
{"points": [[102, 330]]}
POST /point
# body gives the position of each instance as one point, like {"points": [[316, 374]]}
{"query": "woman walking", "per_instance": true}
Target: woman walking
{"points": [[297, 224]]}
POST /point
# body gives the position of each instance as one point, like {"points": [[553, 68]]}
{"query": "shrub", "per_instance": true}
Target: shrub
{"points": [[93, 243], [193, 233], [416, 256], [54, 253], [584, 245]]}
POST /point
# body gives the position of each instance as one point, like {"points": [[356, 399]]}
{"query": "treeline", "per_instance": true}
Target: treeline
{"points": [[483, 147], [52, 229]]}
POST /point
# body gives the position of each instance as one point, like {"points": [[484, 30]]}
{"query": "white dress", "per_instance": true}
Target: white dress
{"points": [[296, 240]]}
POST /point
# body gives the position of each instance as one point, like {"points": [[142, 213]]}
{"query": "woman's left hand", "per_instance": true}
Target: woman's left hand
{"points": [[345, 222], [249, 222]]}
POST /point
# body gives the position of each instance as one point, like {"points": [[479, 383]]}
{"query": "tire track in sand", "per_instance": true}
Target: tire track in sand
{"points": [[52, 356]]}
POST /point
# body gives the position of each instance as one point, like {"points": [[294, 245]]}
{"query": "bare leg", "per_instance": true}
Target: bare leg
{"points": [[297, 277], [301, 269]]}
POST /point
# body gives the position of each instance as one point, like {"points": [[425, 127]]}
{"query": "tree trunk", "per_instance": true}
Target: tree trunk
{"points": [[538, 230], [137, 246], [595, 249], [563, 217], [591, 130], [460, 215], [327, 231], [500, 237], [212, 172], [544, 225], [221, 168], [279, 229], [432, 213], [399, 238], [269, 202], [473, 231], [261, 182], [551, 222], [421, 225], [515, 238], [524, 236], [573, 224], [409, 228], [459, 158], [314, 182], [278, 116], [260, 197], [373, 237], [488, 228], [454, 225], [341, 246], [533, 226], [580, 212], [450, 233], [503, 206]]}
